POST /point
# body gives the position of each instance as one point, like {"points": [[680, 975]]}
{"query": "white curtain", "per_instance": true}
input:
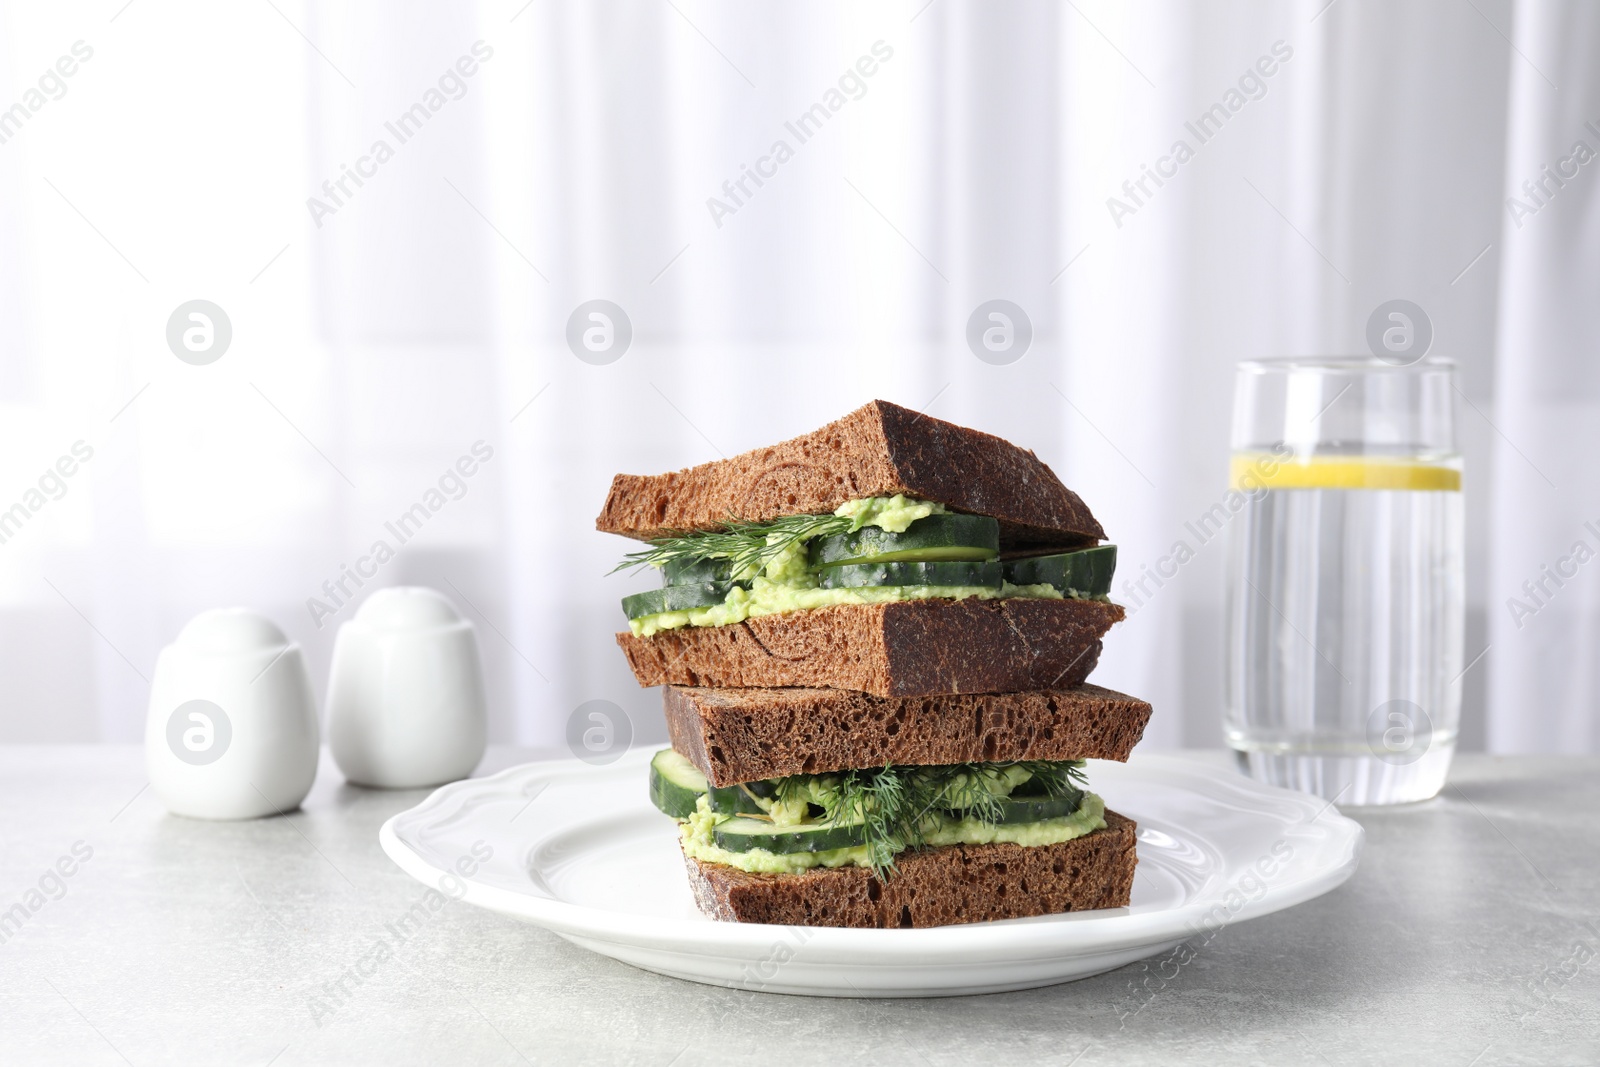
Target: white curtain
{"points": [[1366, 154], [1544, 609]]}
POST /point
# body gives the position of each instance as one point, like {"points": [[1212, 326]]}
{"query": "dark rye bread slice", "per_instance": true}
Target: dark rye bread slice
{"points": [[877, 450], [908, 649], [741, 735], [939, 887]]}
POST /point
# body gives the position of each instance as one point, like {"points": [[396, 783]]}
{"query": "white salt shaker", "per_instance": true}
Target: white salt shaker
{"points": [[405, 699], [232, 728]]}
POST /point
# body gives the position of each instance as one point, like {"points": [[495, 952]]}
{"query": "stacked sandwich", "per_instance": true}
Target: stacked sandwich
{"points": [[874, 640]]}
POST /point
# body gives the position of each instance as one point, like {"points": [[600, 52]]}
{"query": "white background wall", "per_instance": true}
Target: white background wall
{"points": [[427, 313]]}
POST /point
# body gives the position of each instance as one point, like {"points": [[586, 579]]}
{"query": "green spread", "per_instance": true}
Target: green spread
{"points": [[946, 830], [787, 583], [893, 513], [767, 597]]}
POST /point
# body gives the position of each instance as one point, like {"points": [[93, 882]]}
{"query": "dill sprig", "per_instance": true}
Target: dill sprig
{"points": [[898, 805], [749, 546]]}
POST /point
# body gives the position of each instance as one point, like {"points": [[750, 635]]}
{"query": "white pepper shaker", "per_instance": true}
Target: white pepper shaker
{"points": [[406, 705], [232, 728]]}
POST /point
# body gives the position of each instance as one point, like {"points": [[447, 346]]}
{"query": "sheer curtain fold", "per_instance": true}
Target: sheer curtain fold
{"points": [[1544, 667]]}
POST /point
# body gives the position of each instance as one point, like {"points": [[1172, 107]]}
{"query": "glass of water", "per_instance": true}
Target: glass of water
{"points": [[1346, 578]]}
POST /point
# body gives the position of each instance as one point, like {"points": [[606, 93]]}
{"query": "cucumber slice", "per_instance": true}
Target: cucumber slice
{"points": [[675, 598], [677, 572], [936, 537], [742, 835], [736, 799], [675, 784], [1015, 810], [766, 788], [856, 575], [1086, 572]]}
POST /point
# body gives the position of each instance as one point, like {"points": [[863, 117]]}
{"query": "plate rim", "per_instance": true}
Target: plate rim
{"points": [[1073, 934]]}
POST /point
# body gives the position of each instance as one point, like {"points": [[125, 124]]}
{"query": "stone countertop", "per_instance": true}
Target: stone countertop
{"points": [[1468, 938]]}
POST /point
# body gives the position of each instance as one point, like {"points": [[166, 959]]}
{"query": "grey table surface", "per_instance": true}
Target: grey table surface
{"points": [[1468, 937]]}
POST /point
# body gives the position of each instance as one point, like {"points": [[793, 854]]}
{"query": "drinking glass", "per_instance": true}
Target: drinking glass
{"points": [[1346, 578]]}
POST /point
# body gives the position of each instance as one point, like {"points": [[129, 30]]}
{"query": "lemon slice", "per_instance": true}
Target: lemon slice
{"points": [[1252, 470]]}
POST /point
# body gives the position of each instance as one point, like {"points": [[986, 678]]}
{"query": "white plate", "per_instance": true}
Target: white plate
{"points": [[581, 851]]}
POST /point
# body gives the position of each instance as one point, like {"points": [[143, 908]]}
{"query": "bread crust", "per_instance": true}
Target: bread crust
{"points": [[877, 450], [912, 648], [936, 887], [742, 735]]}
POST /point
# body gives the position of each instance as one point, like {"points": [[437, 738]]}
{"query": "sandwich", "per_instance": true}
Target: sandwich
{"points": [[888, 552], [874, 641]]}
